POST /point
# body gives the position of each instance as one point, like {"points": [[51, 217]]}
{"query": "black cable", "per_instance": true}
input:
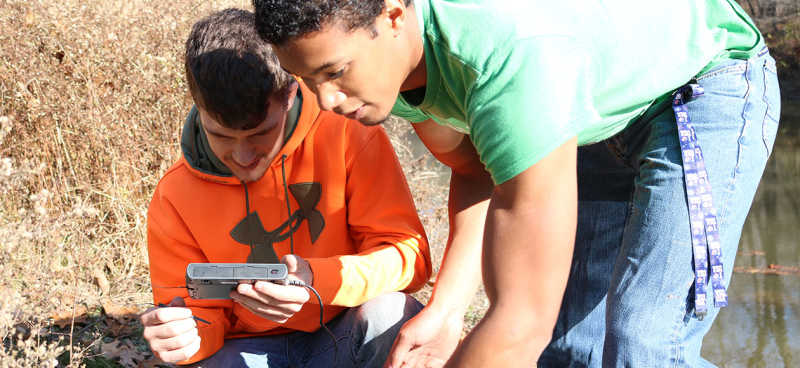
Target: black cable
{"points": [[288, 206], [291, 251], [321, 319]]}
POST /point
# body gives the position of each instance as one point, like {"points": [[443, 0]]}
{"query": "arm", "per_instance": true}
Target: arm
{"points": [[529, 237], [534, 97], [392, 250], [434, 333], [470, 188], [170, 249]]}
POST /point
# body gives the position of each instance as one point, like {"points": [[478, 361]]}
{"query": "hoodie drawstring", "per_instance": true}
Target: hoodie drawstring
{"points": [[286, 198], [246, 200]]}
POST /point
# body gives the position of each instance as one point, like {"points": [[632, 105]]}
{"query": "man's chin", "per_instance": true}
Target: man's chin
{"points": [[371, 122], [249, 176]]}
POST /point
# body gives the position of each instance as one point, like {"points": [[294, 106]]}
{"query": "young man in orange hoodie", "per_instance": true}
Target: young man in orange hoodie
{"points": [[264, 173]]}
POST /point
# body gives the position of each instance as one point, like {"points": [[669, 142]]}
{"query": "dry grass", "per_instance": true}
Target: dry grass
{"points": [[92, 100]]}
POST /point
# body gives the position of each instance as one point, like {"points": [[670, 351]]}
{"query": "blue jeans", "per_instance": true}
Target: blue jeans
{"points": [[629, 300], [364, 336]]}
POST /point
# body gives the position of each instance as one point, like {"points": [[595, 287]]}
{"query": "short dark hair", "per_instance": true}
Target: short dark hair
{"points": [[231, 72], [279, 21]]}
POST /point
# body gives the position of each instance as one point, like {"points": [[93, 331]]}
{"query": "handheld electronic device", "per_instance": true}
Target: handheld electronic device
{"points": [[217, 280]]}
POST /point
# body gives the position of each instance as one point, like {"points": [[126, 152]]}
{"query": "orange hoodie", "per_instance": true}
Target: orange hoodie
{"points": [[353, 219]]}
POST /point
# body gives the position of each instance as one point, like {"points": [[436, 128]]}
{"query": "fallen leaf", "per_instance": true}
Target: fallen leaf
{"points": [[120, 312], [120, 319], [152, 362], [101, 280], [63, 318], [127, 355]]}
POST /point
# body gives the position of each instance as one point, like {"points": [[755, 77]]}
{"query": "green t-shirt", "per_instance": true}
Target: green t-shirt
{"points": [[521, 77]]}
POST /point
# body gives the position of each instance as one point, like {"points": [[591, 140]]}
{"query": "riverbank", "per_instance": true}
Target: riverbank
{"points": [[779, 22], [783, 40]]}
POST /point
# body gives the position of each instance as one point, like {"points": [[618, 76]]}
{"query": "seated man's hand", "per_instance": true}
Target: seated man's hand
{"points": [[277, 302], [171, 331]]}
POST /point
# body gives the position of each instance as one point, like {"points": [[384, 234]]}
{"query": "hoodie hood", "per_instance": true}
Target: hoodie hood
{"points": [[198, 154]]}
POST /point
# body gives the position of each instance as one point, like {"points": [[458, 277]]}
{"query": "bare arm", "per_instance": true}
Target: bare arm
{"points": [[431, 336], [528, 242], [470, 189]]}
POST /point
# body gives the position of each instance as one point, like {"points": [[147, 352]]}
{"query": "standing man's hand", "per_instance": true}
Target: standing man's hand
{"points": [[171, 331], [273, 301], [427, 340]]}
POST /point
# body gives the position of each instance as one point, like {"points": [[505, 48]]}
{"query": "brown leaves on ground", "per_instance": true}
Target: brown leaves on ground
{"points": [[66, 317], [128, 355], [121, 320], [120, 326], [771, 269]]}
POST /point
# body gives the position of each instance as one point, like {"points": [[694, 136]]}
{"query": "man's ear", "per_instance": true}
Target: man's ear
{"points": [[291, 93], [395, 13]]}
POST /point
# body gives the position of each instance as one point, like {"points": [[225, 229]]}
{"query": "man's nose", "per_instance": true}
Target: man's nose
{"points": [[244, 155], [329, 96]]}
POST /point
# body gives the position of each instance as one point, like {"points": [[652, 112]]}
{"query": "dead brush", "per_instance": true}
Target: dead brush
{"points": [[91, 103], [92, 100]]}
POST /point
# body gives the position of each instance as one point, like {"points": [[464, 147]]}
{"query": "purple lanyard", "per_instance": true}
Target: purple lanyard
{"points": [[702, 216]]}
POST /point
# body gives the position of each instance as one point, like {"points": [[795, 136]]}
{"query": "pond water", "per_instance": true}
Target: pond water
{"points": [[761, 326]]}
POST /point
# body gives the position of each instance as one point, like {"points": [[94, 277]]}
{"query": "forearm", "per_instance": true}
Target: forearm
{"points": [[520, 321], [460, 273], [389, 250], [363, 276], [528, 242]]}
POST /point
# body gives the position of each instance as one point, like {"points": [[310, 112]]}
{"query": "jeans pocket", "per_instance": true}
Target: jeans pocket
{"points": [[727, 79]]}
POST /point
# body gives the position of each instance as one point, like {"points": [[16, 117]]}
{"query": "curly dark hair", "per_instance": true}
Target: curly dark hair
{"points": [[231, 72], [279, 21]]}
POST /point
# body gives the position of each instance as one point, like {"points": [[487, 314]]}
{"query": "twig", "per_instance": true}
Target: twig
{"points": [[84, 328], [66, 154], [72, 322], [772, 269]]}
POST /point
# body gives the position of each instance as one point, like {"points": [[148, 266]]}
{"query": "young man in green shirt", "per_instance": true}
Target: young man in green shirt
{"points": [[513, 96]]}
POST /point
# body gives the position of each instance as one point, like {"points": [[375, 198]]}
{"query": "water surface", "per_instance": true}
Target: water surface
{"points": [[761, 327]]}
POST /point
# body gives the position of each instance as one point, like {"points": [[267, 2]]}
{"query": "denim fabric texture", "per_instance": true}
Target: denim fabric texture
{"points": [[364, 336], [629, 300]]}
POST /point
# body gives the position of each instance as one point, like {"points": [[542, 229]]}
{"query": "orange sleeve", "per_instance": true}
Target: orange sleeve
{"points": [[170, 249], [393, 250]]}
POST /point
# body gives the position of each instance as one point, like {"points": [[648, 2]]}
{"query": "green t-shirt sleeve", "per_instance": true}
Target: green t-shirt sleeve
{"points": [[529, 100], [402, 109]]}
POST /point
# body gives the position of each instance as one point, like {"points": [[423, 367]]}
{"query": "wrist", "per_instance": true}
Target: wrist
{"points": [[451, 312]]}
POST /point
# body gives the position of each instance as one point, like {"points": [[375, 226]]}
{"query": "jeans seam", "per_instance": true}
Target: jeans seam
{"points": [[726, 70], [720, 200], [676, 347]]}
